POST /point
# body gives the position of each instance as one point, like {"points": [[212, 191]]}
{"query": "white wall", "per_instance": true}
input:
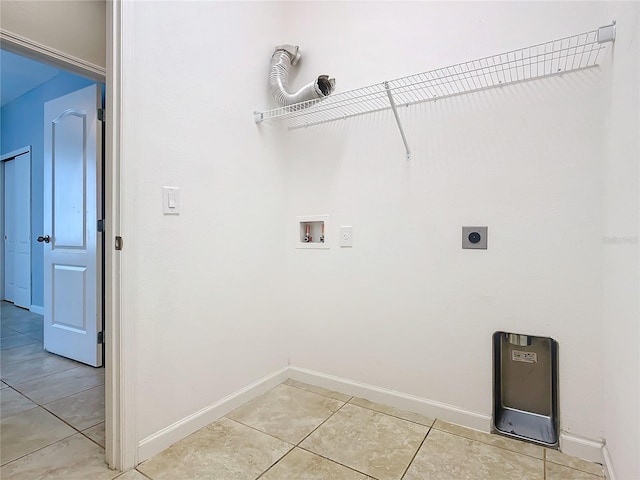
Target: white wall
{"points": [[76, 27], [620, 247], [207, 285], [407, 309]]}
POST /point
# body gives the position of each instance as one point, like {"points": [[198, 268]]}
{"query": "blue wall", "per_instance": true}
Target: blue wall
{"points": [[22, 124]]}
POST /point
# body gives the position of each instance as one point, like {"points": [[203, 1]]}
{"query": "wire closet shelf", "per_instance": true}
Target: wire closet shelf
{"points": [[569, 54]]}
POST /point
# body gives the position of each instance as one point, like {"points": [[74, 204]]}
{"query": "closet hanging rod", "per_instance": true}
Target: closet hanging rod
{"points": [[556, 57]]}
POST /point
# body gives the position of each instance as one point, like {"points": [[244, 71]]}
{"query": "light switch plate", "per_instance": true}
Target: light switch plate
{"points": [[346, 236], [171, 200], [475, 237]]}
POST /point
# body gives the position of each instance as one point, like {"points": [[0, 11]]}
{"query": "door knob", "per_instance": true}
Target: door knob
{"points": [[45, 239]]}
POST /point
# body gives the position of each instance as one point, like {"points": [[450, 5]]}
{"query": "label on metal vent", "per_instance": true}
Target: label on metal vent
{"points": [[526, 357]]}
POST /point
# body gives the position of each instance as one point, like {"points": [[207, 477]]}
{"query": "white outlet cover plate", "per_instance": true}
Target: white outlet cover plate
{"points": [[346, 236], [171, 200]]}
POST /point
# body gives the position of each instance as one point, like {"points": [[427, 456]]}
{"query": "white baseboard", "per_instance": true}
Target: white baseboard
{"points": [[581, 447], [429, 408], [37, 309], [166, 437], [608, 464]]}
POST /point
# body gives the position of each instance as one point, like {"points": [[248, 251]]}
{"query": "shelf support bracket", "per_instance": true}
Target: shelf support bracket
{"points": [[395, 114]]}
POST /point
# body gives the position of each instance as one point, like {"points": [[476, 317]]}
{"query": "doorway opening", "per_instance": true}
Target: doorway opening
{"points": [[55, 393]]}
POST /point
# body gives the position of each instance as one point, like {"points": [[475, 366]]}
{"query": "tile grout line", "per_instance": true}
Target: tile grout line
{"points": [[391, 415], [37, 450], [417, 451], [321, 423], [35, 342], [294, 444], [35, 405], [490, 444], [56, 400], [368, 475], [12, 329], [28, 359], [578, 469], [62, 420], [355, 405], [43, 405], [249, 426], [76, 432], [37, 378], [141, 473], [89, 438], [293, 447], [299, 445], [304, 438], [321, 394]]}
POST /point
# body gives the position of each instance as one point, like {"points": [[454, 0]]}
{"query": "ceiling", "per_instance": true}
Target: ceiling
{"points": [[19, 75]]}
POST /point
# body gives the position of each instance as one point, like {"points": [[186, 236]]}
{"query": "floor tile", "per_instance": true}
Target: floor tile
{"points": [[132, 475], [28, 324], [559, 472], [394, 412], [37, 368], [59, 385], [6, 332], [492, 439], [370, 442], [22, 354], [444, 456], [223, 450], [36, 335], [559, 458], [11, 402], [82, 410], [3, 385], [11, 312], [16, 341], [302, 465], [74, 458], [29, 431], [96, 433], [319, 390], [287, 413]]}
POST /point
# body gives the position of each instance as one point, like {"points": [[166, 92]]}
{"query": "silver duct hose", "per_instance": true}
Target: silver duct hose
{"points": [[283, 58]]}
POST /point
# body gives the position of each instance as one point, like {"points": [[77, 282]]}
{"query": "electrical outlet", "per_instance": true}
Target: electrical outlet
{"points": [[475, 237], [346, 236]]}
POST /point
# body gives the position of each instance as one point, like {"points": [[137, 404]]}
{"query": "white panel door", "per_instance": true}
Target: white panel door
{"points": [[22, 229], [72, 252], [9, 231]]}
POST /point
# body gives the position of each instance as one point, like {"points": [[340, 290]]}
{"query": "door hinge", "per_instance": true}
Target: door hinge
{"points": [[100, 338], [101, 226], [118, 243], [101, 114]]}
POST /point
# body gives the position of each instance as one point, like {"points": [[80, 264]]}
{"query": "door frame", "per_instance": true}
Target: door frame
{"points": [[120, 401], [4, 158]]}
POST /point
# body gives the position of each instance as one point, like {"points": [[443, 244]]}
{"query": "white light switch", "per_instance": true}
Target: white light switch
{"points": [[171, 200], [346, 236]]}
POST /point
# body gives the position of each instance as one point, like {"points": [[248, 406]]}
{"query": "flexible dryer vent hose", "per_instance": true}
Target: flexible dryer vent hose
{"points": [[283, 58]]}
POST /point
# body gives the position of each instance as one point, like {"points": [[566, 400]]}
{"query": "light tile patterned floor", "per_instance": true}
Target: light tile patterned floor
{"points": [[51, 408], [303, 432], [53, 428]]}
